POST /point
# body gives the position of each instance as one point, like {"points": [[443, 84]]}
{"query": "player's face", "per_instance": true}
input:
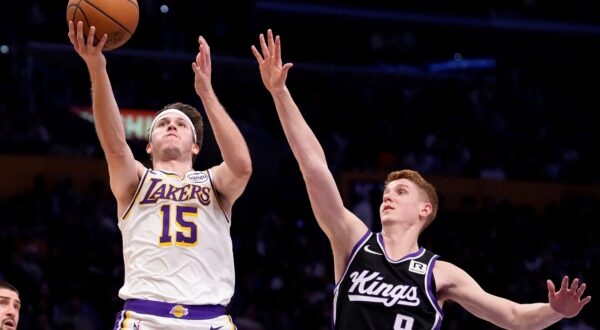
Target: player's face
{"points": [[402, 201], [9, 309], [172, 136]]}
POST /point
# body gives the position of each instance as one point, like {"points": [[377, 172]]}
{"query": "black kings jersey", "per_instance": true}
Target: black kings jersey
{"points": [[379, 293]]}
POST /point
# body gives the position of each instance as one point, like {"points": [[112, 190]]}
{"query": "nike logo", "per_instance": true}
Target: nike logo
{"points": [[213, 328], [371, 251]]}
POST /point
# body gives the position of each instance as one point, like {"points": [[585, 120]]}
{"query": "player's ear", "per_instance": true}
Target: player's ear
{"points": [[195, 149], [149, 148], [426, 209]]}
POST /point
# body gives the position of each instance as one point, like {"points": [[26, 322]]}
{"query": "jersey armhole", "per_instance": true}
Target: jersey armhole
{"points": [[353, 254], [137, 192], [216, 193], [431, 286]]}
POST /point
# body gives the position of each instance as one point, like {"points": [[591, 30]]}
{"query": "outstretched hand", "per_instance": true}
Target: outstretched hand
{"points": [[202, 68], [272, 71], [567, 300], [84, 46]]}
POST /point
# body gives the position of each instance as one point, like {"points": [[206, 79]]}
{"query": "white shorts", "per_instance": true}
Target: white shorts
{"points": [[154, 315]]}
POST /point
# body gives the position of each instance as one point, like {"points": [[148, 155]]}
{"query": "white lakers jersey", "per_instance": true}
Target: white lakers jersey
{"points": [[176, 241]]}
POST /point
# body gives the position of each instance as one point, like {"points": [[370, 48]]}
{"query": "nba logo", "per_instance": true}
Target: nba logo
{"points": [[417, 267]]}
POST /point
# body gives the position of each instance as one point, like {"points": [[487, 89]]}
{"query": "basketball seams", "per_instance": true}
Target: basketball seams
{"points": [[133, 2], [107, 16]]}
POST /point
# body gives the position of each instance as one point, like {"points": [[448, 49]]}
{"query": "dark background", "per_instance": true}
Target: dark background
{"points": [[497, 91]]}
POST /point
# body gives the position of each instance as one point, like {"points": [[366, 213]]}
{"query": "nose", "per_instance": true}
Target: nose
{"points": [[386, 196], [12, 311]]}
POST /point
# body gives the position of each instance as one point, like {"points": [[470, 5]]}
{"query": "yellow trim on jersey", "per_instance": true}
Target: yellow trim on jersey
{"points": [[124, 326], [137, 193], [231, 321]]}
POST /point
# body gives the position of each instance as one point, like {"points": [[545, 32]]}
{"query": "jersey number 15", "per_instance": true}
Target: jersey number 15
{"points": [[187, 233]]}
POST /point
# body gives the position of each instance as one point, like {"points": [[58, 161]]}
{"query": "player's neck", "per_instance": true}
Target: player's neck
{"points": [[400, 240], [173, 166]]}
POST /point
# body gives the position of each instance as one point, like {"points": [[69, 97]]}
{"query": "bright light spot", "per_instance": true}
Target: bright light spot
{"points": [[4, 49], [164, 9]]}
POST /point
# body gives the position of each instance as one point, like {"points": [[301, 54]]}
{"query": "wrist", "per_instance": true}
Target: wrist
{"points": [[279, 91]]}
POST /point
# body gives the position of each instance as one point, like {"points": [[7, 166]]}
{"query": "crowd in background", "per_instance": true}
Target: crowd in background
{"points": [[368, 89]]}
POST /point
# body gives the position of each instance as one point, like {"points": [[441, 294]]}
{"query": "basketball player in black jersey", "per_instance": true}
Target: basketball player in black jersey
{"points": [[385, 280]]}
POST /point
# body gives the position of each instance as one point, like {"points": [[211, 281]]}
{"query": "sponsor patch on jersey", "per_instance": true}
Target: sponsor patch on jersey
{"points": [[197, 177], [417, 267], [179, 311]]}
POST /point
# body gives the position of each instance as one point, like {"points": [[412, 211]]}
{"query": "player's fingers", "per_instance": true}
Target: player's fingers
{"points": [[256, 53], [194, 67], [270, 40], [102, 41], [205, 44], [80, 33], [198, 61], [287, 67], [277, 50], [585, 300], [263, 46], [203, 58], [564, 284], [574, 285], [551, 287], [90, 36], [71, 33], [581, 290]]}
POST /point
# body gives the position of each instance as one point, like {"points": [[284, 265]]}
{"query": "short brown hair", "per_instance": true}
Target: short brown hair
{"points": [[6, 285], [194, 115], [425, 186]]}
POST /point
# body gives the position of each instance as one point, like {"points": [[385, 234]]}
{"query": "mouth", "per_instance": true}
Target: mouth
{"points": [[387, 207], [11, 324]]}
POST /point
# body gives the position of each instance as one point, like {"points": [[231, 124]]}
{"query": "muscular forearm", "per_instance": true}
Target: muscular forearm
{"points": [[109, 125], [301, 138], [535, 316], [228, 136]]}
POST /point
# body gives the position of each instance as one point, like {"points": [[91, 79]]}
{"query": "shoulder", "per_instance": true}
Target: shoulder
{"points": [[445, 275]]}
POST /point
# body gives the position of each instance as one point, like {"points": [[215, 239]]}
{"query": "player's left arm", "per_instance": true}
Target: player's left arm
{"points": [[231, 176], [456, 285]]}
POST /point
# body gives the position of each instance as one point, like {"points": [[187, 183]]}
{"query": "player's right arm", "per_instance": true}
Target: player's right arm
{"points": [[455, 284], [123, 169], [340, 225]]}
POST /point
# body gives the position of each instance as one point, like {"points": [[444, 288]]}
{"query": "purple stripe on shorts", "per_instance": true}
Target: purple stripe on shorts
{"points": [[176, 311]]}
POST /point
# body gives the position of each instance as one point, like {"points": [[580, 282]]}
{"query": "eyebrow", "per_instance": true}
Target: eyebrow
{"points": [[8, 298]]}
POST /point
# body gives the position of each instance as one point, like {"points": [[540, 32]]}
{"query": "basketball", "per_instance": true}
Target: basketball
{"points": [[116, 18]]}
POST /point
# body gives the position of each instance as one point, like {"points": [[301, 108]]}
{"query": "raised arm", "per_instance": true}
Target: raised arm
{"points": [[232, 175], [455, 284], [123, 169], [342, 227]]}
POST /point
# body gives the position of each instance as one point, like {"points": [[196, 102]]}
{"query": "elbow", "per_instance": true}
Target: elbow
{"points": [[245, 168]]}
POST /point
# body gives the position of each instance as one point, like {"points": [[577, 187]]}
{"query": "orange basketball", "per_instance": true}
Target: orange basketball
{"points": [[116, 18]]}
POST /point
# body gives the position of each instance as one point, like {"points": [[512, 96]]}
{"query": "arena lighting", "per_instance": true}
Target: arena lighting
{"points": [[4, 49], [460, 63], [136, 121], [164, 9]]}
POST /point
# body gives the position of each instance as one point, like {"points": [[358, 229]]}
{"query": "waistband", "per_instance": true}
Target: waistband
{"points": [[178, 311]]}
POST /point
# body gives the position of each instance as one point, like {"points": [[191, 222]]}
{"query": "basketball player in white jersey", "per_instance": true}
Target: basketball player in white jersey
{"points": [[179, 271], [386, 280]]}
